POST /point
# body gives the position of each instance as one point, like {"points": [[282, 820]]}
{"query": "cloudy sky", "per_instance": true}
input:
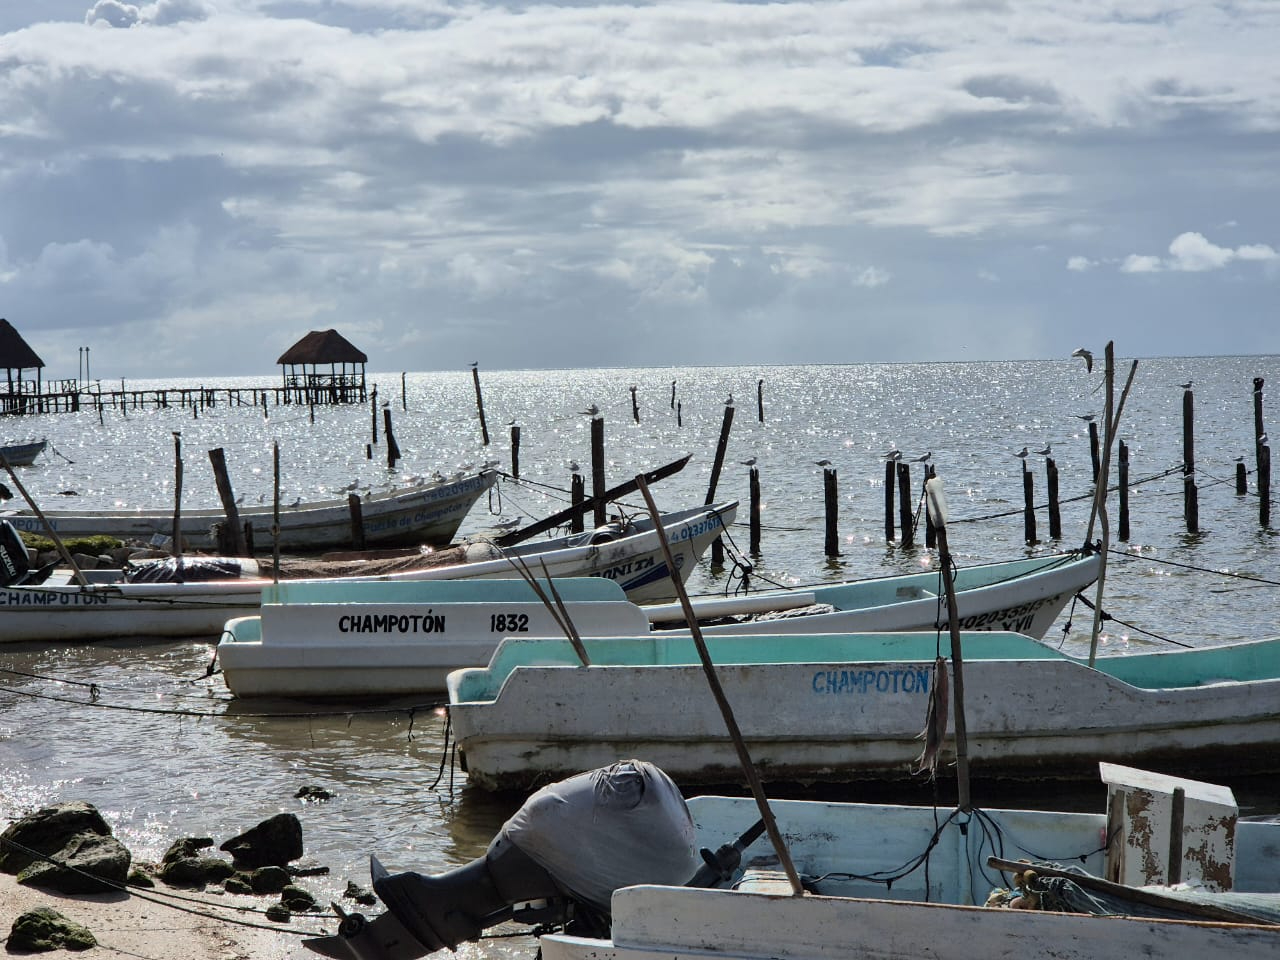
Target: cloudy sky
{"points": [[189, 186]]}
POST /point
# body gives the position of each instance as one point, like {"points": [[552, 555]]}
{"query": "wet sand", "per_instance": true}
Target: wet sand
{"points": [[135, 926]]}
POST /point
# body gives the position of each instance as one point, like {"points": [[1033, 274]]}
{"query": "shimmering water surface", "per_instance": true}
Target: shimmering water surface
{"points": [[164, 752]]}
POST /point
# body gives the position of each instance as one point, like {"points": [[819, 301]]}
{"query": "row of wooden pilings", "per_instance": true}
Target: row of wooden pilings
{"points": [[899, 501]]}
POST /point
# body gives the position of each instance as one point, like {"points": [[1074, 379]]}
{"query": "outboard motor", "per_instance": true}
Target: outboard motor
{"points": [[15, 562], [559, 858]]}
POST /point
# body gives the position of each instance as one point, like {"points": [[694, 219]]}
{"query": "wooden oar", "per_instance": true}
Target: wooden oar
{"points": [[621, 490], [53, 534]]}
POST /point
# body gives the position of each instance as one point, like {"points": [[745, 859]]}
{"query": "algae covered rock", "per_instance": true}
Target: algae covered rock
{"points": [[43, 929], [45, 832]]}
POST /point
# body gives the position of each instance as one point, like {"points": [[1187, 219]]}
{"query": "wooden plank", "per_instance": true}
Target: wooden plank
{"points": [[621, 490]]}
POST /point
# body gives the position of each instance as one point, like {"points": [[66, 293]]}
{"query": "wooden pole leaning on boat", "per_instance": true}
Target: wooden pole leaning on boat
{"points": [[937, 506], [1099, 513], [48, 527], [177, 497], [735, 734]]}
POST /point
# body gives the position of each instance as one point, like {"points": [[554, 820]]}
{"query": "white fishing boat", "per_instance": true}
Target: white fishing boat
{"points": [[613, 864], [360, 639], [1023, 596], [429, 513], [850, 707], [858, 903], [303, 643], [23, 454], [113, 605]]}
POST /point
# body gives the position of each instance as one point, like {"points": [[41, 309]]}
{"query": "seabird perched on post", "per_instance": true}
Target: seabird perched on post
{"points": [[923, 458], [1021, 454], [749, 462]]}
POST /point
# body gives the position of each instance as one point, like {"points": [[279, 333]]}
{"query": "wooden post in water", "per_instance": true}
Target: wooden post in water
{"points": [[721, 445], [906, 525], [673, 394], [275, 509], [1122, 478], [177, 497], [1055, 511], [753, 482], [597, 470], [832, 503], [1190, 496], [404, 393], [218, 459], [577, 494], [930, 530], [717, 545], [679, 417], [356, 509], [635, 407], [1094, 450], [484, 427], [373, 412], [1262, 454], [1028, 505], [1264, 485], [1242, 479], [515, 450], [890, 474], [393, 448], [760, 399]]}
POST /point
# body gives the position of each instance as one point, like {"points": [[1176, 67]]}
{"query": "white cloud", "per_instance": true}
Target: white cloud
{"points": [[1191, 252], [872, 277], [1080, 264], [1140, 264]]}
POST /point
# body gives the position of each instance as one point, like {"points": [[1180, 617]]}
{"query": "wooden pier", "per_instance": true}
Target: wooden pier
{"points": [[71, 397]]}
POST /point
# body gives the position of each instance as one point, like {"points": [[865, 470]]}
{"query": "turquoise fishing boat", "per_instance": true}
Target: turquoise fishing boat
{"points": [[849, 707]]}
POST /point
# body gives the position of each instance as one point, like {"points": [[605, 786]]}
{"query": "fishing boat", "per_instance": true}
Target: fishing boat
{"points": [[1170, 870], [360, 639], [1023, 596], [195, 597], [303, 642], [429, 513], [851, 707], [23, 454]]}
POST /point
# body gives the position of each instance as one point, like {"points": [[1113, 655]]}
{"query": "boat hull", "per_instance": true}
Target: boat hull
{"points": [[428, 514], [1022, 596], [926, 912], [835, 713], [74, 613]]}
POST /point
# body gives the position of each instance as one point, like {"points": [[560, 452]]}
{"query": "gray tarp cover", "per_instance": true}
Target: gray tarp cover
{"points": [[609, 828]]}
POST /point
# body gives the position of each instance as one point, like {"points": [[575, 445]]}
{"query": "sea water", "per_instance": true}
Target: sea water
{"points": [[142, 731]]}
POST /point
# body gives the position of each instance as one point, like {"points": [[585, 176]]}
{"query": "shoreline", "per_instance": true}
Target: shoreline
{"points": [[139, 927]]}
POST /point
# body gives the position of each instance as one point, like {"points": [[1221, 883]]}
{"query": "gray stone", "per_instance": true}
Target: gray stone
{"points": [[89, 863], [47, 831], [43, 929], [272, 843]]}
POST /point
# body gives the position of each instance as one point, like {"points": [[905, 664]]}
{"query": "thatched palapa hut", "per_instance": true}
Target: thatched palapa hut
{"points": [[306, 382], [17, 358]]}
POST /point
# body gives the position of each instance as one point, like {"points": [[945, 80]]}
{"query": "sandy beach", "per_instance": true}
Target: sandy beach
{"points": [[135, 926]]}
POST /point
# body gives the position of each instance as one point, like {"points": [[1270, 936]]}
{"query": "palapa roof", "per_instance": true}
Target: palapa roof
{"points": [[14, 352], [323, 346]]}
